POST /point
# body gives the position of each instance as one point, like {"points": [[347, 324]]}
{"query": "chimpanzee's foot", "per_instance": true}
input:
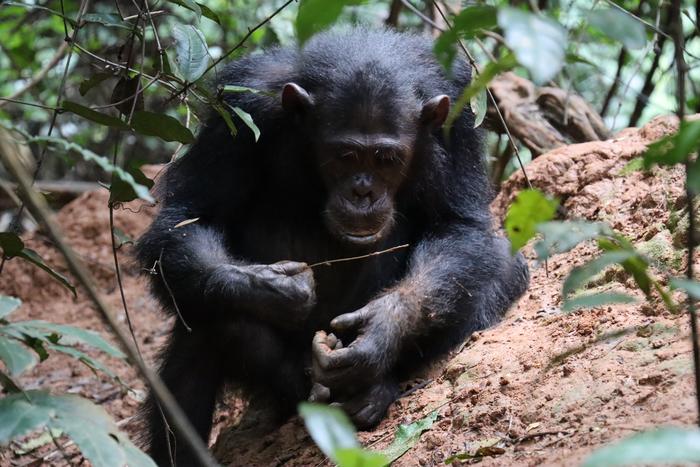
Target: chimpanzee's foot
{"points": [[367, 408]]}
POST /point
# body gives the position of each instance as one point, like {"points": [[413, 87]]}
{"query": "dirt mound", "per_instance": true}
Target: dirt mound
{"points": [[543, 386]]}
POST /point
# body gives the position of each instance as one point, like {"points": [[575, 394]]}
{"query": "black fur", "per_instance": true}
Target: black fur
{"points": [[261, 202]]}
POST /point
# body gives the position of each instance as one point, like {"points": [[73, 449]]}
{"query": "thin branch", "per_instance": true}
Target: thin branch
{"points": [[30, 104], [621, 59], [38, 207], [354, 258], [38, 77]]}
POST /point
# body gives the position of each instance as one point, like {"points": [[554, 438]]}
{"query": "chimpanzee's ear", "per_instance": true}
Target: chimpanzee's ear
{"points": [[435, 111], [295, 98]]}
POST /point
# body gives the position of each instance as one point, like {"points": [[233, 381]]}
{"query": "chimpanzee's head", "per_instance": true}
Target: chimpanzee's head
{"points": [[364, 133]]}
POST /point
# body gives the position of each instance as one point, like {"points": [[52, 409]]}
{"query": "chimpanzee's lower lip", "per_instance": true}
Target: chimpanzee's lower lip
{"points": [[362, 239]]}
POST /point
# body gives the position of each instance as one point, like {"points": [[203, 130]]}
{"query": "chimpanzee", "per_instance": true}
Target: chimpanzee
{"points": [[351, 160]]}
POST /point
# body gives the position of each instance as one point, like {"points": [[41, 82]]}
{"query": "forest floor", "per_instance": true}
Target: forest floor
{"points": [[541, 388]]}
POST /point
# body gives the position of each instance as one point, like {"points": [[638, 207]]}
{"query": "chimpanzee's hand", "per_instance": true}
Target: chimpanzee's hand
{"points": [[274, 288], [370, 355]]}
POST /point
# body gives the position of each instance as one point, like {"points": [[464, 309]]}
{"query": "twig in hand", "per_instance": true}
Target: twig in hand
{"points": [[353, 258]]}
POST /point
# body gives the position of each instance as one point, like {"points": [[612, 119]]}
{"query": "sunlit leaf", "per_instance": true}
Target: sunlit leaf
{"points": [[596, 299], [407, 436], [191, 52], [17, 357], [580, 275], [660, 446], [539, 43], [529, 208], [329, 427], [619, 26], [465, 25], [248, 120], [316, 15], [8, 305], [356, 457], [87, 424]]}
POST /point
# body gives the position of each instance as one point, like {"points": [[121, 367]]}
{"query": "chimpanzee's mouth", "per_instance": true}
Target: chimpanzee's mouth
{"points": [[363, 238]]}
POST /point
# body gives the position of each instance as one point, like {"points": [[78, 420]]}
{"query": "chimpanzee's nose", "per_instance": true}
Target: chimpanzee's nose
{"points": [[362, 189]]}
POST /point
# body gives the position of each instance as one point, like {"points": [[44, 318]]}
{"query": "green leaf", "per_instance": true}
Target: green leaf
{"points": [[562, 236], [580, 275], [37, 442], [13, 246], [505, 63], [163, 126], [248, 120], [356, 457], [42, 329], [538, 42], [90, 362], [102, 162], [110, 20], [692, 288], [191, 52], [87, 424], [93, 115], [232, 88], [674, 149], [315, 16], [190, 5], [16, 357], [8, 305], [660, 446], [121, 191], [479, 105], [596, 299], [123, 95], [465, 25], [209, 13], [619, 26], [407, 436], [529, 208], [329, 427]]}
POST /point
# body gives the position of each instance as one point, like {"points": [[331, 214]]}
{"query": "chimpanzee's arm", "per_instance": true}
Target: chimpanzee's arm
{"points": [[460, 278]]}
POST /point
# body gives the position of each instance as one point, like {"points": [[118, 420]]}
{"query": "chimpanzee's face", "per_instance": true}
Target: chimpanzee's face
{"points": [[363, 151], [362, 172]]}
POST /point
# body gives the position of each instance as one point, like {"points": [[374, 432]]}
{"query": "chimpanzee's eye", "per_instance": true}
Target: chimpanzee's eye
{"points": [[348, 155], [387, 156]]}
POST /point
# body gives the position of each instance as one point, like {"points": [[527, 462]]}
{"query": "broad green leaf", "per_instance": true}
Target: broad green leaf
{"points": [[356, 457], [316, 15], [101, 162], [93, 115], [190, 5], [42, 329], [232, 88], [529, 208], [479, 105], [163, 126], [479, 84], [248, 120], [580, 275], [674, 149], [619, 26], [87, 424], [13, 247], [209, 13], [636, 264], [95, 365], [596, 299], [191, 52], [692, 288], [661, 446], [465, 25], [123, 192], [407, 436], [35, 443], [562, 236], [17, 357], [538, 43], [329, 427], [8, 305], [110, 20]]}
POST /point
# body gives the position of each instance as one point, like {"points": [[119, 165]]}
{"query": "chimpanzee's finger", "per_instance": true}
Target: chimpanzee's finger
{"points": [[289, 268], [349, 321], [319, 393]]}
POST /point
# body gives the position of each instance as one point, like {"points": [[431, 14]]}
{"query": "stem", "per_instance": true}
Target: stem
{"points": [[681, 67]]}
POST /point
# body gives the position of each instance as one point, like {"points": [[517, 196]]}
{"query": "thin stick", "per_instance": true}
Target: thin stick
{"points": [[38, 207], [353, 258]]}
